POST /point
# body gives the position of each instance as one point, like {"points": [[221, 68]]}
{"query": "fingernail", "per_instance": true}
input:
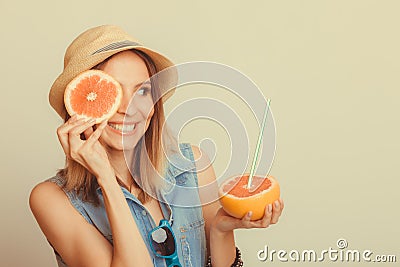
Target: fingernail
{"points": [[249, 214], [276, 203], [269, 208]]}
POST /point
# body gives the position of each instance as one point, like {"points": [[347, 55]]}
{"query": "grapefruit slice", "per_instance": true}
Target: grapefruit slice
{"points": [[93, 94], [236, 199]]}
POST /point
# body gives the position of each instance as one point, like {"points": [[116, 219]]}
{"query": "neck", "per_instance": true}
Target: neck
{"points": [[120, 162]]}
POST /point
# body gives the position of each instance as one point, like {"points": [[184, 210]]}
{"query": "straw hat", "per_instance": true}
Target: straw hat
{"points": [[91, 48]]}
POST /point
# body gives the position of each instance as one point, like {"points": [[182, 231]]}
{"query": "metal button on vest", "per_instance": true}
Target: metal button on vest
{"points": [[144, 213]]}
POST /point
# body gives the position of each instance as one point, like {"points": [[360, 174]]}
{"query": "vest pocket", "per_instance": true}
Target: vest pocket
{"points": [[182, 179], [191, 237]]}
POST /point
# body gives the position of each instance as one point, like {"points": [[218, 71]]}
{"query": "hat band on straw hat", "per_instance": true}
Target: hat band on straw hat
{"points": [[116, 45]]}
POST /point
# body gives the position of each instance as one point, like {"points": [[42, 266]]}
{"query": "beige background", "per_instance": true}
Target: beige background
{"points": [[331, 69]]}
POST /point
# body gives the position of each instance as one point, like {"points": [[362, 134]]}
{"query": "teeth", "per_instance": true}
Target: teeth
{"points": [[122, 127]]}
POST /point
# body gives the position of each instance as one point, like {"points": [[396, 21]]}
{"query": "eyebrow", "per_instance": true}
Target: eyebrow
{"points": [[147, 82]]}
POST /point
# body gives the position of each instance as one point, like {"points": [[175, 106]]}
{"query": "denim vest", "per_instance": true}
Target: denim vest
{"points": [[182, 207]]}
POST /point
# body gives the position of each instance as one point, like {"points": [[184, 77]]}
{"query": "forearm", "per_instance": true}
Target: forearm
{"points": [[222, 248], [129, 248]]}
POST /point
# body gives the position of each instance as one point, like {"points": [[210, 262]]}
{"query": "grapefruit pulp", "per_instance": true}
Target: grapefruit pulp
{"points": [[236, 199], [93, 94]]}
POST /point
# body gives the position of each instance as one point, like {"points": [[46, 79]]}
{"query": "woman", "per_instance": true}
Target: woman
{"points": [[99, 209]]}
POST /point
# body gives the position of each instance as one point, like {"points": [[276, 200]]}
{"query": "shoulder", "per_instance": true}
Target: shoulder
{"points": [[196, 151], [199, 161], [62, 225], [47, 200], [44, 192], [205, 169]]}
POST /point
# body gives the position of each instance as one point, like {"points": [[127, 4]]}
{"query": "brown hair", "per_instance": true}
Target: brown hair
{"points": [[150, 160]]}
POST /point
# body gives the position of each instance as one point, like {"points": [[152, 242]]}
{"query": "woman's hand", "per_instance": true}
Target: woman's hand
{"points": [[224, 222], [89, 153]]}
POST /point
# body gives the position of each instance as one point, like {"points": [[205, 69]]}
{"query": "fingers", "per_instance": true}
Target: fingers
{"points": [[83, 151], [69, 135], [96, 134], [277, 211], [246, 222], [81, 126], [88, 132], [271, 216], [266, 219], [264, 222], [62, 132], [64, 129], [74, 133]]}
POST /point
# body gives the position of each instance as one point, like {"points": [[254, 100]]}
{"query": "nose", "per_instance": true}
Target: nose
{"points": [[127, 106]]}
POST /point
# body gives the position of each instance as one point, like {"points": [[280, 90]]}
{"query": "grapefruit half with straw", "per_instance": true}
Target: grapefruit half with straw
{"points": [[93, 95], [236, 199]]}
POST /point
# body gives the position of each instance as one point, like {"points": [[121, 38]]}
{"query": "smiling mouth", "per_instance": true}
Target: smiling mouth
{"points": [[123, 128]]}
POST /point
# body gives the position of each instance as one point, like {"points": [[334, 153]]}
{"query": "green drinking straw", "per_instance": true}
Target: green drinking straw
{"points": [[257, 152]]}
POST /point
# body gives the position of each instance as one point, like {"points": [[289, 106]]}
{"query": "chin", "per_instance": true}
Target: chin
{"points": [[122, 144], [129, 145]]}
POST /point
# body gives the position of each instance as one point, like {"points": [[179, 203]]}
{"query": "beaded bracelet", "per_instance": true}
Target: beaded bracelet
{"points": [[237, 263]]}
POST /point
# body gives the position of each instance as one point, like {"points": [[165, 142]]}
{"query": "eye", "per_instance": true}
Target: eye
{"points": [[143, 91]]}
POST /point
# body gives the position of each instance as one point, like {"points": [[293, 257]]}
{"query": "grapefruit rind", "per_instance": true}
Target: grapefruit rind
{"points": [[103, 77], [240, 206]]}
